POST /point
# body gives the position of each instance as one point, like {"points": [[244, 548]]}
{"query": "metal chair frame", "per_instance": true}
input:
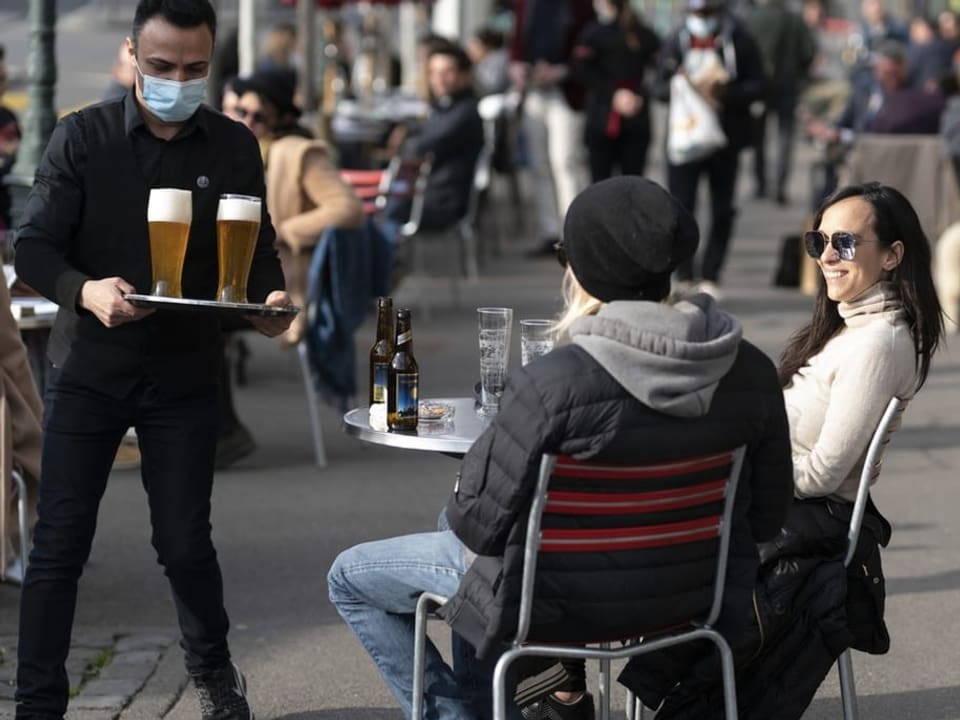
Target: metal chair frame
{"points": [[20, 487], [870, 470], [602, 651]]}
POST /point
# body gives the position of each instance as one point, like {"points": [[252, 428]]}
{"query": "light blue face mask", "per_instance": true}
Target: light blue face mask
{"points": [[702, 27], [172, 100]]}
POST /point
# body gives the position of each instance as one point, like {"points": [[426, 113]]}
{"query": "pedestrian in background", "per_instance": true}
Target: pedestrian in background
{"points": [[788, 49], [9, 143], [611, 60], [541, 51], [710, 34], [83, 243]]}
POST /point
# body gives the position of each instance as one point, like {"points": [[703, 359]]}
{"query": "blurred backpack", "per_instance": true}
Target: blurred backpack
{"points": [[788, 263]]}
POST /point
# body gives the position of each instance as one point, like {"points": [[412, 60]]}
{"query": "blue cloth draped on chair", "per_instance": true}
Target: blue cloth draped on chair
{"points": [[348, 268]]}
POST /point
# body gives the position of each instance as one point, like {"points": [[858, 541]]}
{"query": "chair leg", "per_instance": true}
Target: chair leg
{"points": [[419, 653], [500, 684], [23, 517], [848, 688], [729, 676], [604, 685], [468, 251], [313, 405]]}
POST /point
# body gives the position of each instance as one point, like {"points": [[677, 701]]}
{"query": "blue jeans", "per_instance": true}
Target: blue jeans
{"points": [[375, 587]]}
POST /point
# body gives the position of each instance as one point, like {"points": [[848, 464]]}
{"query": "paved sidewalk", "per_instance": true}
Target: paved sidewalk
{"points": [[138, 674]]}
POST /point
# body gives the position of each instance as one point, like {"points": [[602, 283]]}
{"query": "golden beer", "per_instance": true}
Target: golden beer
{"points": [[238, 227], [169, 214]]}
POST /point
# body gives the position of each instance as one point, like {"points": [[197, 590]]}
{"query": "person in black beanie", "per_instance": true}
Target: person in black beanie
{"points": [[639, 381]]}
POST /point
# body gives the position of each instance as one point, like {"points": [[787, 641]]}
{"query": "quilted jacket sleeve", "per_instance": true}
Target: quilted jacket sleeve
{"points": [[499, 472]]}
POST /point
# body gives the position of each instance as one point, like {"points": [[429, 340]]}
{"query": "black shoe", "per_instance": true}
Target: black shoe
{"points": [[782, 200], [549, 708], [546, 248], [234, 445], [223, 694]]}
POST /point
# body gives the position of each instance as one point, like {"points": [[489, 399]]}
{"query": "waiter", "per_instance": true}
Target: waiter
{"points": [[83, 242]]}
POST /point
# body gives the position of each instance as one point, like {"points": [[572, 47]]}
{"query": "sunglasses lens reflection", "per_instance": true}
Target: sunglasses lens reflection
{"points": [[843, 243]]}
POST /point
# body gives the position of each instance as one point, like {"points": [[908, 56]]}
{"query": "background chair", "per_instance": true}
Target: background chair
{"points": [[626, 516], [869, 473]]}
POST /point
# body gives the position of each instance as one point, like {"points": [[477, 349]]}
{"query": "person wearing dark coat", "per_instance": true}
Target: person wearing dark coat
{"points": [[611, 59], [452, 135], [788, 48], [709, 29], [641, 381]]}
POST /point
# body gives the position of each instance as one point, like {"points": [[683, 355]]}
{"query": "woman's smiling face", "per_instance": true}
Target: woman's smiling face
{"points": [[846, 279]]}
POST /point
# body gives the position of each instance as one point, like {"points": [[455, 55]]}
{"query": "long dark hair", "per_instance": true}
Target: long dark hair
{"points": [[893, 219], [629, 23]]}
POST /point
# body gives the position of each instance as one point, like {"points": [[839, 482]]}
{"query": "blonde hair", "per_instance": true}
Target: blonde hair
{"points": [[577, 303]]}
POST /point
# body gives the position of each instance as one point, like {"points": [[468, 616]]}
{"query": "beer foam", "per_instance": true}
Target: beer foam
{"points": [[238, 207], [170, 205]]}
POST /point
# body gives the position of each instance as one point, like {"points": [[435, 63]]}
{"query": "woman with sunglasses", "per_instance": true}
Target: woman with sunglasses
{"points": [[875, 328]]}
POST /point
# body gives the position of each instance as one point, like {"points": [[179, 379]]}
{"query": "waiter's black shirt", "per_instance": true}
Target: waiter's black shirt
{"points": [[86, 219]]}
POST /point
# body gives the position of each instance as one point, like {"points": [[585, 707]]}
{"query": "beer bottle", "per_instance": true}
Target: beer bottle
{"points": [[403, 379], [382, 351]]}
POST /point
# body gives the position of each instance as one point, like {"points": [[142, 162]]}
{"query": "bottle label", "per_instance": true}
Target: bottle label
{"points": [[404, 337], [407, 390], [380, 382]]}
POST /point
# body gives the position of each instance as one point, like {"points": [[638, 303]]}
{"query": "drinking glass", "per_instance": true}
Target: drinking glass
{"points": [[238, 226], [169, 214], [495, 328], [536, 339]]}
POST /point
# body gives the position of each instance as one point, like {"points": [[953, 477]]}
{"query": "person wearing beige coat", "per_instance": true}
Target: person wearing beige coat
{"points": [[305, 192], [305, 195], [21, 414]]}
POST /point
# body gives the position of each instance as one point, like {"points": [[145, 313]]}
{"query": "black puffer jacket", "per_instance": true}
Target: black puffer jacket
{"points": [[567, 402]]}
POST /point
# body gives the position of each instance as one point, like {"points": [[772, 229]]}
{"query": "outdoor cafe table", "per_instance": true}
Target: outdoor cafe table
{"points": [[451, 437]]}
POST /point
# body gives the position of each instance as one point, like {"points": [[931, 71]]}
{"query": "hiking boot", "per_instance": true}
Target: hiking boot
{"points": [[549, 708], [223, 694]]}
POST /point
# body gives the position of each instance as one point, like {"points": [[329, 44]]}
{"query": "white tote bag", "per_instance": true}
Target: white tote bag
{"points": [[694, 129]]}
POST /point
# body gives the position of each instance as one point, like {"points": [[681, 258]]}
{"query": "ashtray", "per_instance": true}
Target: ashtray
{"points": [[435, 411]]}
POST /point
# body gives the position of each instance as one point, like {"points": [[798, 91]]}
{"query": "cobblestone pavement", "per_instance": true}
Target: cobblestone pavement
{"points": [[112, 674]]}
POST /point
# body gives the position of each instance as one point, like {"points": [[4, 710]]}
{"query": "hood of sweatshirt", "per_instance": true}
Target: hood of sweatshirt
{"points": [[670, 357]]}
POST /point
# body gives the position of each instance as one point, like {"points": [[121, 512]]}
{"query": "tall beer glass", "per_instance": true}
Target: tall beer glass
{"points": [[169, 214], [238, 225]]}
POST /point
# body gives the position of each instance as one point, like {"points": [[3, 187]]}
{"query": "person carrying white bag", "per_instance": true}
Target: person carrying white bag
{"points": [[710, 71]]}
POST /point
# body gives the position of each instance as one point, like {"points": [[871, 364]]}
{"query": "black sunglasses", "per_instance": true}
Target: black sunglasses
{"points": [[561, 253], [845, 243], [257, 117]]}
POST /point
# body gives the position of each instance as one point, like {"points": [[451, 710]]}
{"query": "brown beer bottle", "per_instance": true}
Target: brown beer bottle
{"points": [[382, 351], [403, 379]]}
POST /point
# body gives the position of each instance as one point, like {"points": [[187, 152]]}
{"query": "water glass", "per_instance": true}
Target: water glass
{"points": [[536, 339], [495, 328]]}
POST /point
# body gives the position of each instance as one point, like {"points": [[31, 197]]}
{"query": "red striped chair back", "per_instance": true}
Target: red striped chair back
{"points": [[634, 520]]}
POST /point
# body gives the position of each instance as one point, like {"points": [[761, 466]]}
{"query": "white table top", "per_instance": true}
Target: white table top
{"points": [[33, 313], [453, 436]]}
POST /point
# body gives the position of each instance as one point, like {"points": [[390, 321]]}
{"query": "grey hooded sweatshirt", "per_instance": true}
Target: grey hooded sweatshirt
{"points": [[671, 358]]}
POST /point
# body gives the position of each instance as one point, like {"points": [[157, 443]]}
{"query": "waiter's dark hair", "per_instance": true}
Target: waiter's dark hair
{"points": [[181, 13]]}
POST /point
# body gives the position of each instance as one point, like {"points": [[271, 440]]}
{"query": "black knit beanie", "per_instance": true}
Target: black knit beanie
{"points": [[623, 237]]}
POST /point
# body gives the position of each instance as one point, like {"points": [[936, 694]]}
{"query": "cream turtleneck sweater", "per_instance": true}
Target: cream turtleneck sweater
{"points": [[835, 401]]}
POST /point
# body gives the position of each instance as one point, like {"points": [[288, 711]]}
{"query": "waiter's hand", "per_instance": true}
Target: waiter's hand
{"points": [[104, 298], [273, 326]]}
